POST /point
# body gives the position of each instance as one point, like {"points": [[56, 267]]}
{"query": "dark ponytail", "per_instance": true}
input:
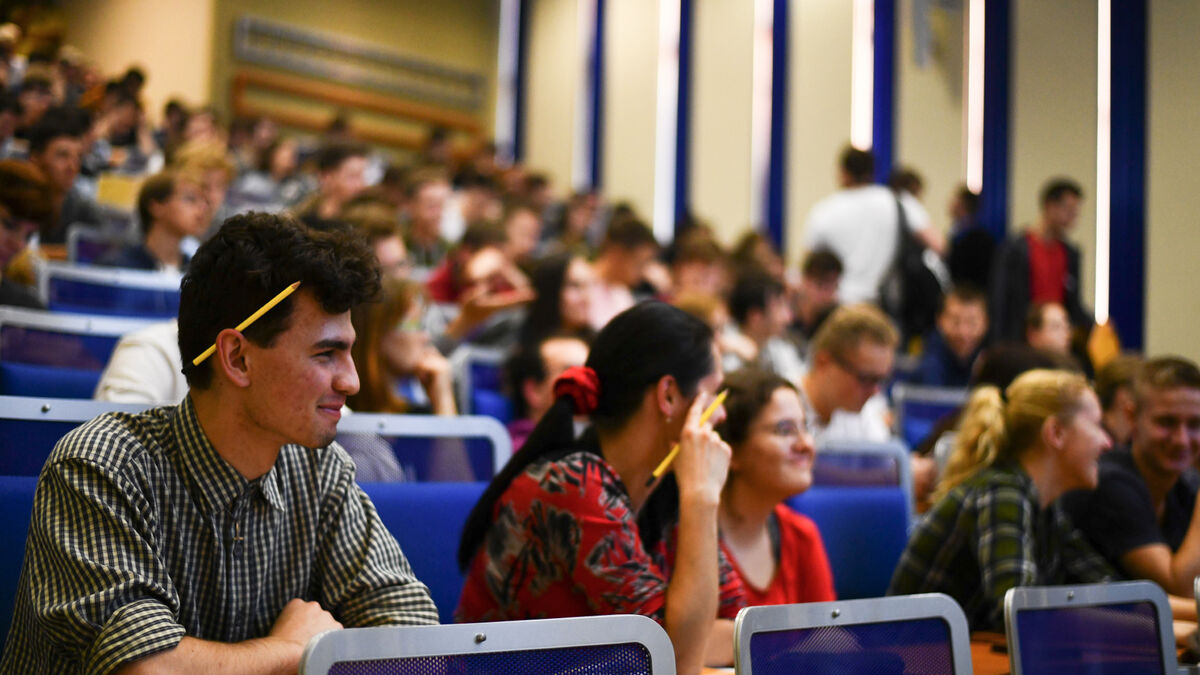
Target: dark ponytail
{"points": [[636, 349]]}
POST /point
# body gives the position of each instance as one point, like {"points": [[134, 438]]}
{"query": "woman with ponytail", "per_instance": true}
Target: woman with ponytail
{"points": [[557, 531], [995, 523]]}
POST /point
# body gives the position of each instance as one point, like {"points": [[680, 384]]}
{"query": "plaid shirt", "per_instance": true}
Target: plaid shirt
{"points": [[987, 536], [142, 533]]}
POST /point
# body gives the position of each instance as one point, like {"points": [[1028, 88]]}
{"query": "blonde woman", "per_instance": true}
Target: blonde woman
{"points": [[995, 523]]}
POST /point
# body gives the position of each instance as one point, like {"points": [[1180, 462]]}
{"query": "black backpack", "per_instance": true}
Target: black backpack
{"points": [[911, 291]]}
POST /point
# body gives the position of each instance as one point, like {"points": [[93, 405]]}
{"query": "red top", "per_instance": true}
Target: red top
{"points": [[564, 542], [803, 573], [1047, 269]]}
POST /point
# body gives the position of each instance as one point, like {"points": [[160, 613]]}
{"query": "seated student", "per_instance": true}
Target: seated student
{"points": [[777, 552], [170, 207], [531, 372], [816, 295], [56, 149], [340, 168], [557, 534], [427, 193], [1114, 386], [393, 349], [629, 248], [1048, 327], [759, 307], [699, 265], [852, 358], [1142, 516], [995, 523], [562, 284], [26, 206], [522, 231], [949, 352], [218, 531]]}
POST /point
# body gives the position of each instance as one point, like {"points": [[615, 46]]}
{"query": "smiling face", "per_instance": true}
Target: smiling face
{"points": [[777, 456], [848, 382], [1166, 433], [1082, 441], [299, 384]]}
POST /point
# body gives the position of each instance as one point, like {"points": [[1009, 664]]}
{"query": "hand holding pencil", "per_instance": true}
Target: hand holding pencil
{"points": [[701, 457]]}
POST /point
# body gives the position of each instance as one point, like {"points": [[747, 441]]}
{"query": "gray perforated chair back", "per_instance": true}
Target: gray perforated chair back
{"points": [[1093, 629], [595, 645], [901, 634]]}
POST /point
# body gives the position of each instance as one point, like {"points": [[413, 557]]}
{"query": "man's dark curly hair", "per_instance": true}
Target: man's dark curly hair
{"points": [[251, 259]]}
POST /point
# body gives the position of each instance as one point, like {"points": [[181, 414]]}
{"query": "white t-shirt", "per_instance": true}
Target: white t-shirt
{"points": [[859, 225], [145, 367], [868, 425]]}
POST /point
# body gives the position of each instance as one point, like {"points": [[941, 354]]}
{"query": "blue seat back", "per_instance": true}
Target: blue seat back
{"points": [[20, 379], [493, 404], [920, 408], [85, 297], [16, 503], [427, 519], [27, 443], [24, 344], [865, 529]]}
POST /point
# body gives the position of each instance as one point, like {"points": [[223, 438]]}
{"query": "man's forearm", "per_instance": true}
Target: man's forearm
{"points": [[265, 656]]}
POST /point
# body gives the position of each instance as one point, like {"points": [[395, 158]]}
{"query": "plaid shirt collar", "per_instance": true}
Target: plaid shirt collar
{"points": [[214, 479]]}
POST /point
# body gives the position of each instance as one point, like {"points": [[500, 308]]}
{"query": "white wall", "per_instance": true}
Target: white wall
{"points": [[551, 89], [720, 132], [171, 41], [630, 81], [929, 107], [1172, 197]]}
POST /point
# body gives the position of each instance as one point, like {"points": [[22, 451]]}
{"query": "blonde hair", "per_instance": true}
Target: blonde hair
{"points": [[851, 324], [996, 427], [203, 156]]}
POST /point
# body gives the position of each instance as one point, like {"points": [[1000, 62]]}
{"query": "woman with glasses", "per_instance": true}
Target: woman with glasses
{"points": [[399, 369], [777, 552]]}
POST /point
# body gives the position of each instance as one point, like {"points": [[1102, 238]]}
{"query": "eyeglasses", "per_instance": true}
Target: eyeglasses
{"points": [[787, 429], [865, 380]]}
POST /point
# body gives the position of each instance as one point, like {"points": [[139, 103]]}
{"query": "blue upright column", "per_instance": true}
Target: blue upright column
{"points": [[1127, 208], [683, 117], [993, 202], [776, 215], [597, 98], [522, 76], [884, 94]]}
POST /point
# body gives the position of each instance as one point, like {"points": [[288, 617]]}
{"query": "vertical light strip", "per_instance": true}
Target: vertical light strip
{"points": [[1103, 154], [581, 160], [975, 58], [505, 130], [666, 118], [862, 73], [760, 109]]}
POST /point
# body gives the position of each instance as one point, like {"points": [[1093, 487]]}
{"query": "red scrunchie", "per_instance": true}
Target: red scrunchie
{"points": [[582, 385]]}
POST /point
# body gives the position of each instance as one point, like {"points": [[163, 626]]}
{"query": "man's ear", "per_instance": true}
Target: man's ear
{"points": [[231, 357]]}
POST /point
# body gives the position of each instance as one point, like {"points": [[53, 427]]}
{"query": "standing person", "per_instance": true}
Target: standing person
{"points": [[777, 552], [227, 529], [995, 523], [1040, 265], [859, 223], [969, 258], [649, 375]]}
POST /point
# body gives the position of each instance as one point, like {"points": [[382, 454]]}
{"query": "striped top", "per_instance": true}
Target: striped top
{"points": [[142, 534]]}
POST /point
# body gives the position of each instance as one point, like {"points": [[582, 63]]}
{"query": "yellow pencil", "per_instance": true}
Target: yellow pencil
{"points": [[666, 463], [250, 319]]}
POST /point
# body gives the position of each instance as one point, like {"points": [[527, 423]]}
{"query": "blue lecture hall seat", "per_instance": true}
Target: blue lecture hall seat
{"points": [[865, 529], [427, 519], [16, 503], [21, 379]]}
